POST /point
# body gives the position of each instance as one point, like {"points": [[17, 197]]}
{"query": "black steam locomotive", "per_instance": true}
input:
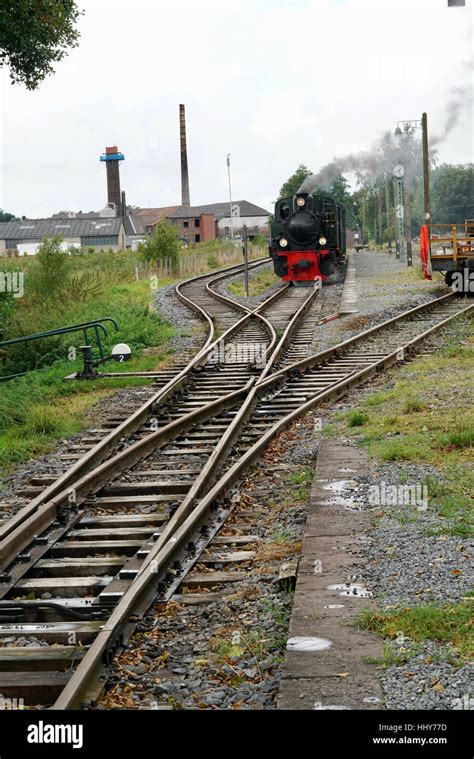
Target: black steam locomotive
{"points": [[308, 238]]}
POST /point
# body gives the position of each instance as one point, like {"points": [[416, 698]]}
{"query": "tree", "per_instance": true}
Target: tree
{"points": [[292, 185], [163, 244], [34, 35], [451, 194], [339, 191], [5, 216]]}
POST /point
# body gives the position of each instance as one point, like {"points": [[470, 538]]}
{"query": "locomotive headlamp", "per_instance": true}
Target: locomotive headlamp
{"points": [[322, 241], [283, 242], [300, 201]]}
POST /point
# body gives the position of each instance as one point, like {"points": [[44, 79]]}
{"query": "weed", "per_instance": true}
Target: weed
{"points": [[357, 419], [451, 623], [413, 405]]}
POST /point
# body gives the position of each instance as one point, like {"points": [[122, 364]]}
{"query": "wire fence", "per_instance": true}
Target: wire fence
{"points": [[192, 264]]}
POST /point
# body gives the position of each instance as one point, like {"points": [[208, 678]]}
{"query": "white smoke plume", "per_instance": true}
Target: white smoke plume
{"points": [[461, 99], [392, 149], [367, 165]]}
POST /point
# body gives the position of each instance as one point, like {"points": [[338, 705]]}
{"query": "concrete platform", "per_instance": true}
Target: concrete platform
{"points": [[348, 304], [325, 666]]}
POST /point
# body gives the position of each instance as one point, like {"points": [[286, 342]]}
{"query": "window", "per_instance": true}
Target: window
{"points": [[185, 224], [196, 223], [197, 238], [100, 240], [13, 244]]}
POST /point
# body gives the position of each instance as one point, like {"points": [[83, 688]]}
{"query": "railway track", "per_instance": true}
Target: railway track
{"points": [[88, 537], [131, 530]]}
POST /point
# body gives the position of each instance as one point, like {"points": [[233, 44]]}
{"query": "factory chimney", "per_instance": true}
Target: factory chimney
{"points": [[185, 200], [112, 158]]}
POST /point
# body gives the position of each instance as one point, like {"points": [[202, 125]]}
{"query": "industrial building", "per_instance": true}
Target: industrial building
{"points": [[114, 228], [23, 237], [201, 223]]}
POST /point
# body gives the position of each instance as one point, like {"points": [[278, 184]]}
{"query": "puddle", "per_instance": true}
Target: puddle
{"points": [[371, 700], [337, 501], [308, 644], [337, 486], [331, 707], [334, 606], [352, 589]]}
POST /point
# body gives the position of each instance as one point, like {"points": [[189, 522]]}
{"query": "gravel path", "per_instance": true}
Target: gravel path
{"points": [[380, 297], [190, 330]]}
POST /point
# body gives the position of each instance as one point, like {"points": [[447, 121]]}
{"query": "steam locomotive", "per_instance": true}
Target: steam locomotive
{"points": [[308, 238]]}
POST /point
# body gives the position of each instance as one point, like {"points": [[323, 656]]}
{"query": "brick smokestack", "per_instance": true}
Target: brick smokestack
{"points": [[185, 200], [112, 158]]}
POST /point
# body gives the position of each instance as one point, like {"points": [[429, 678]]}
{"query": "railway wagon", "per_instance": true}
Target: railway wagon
{"points": [[449, 248], [308, 238]]}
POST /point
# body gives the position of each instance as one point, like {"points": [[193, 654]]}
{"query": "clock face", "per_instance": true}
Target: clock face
{"points": [[398, 170]]}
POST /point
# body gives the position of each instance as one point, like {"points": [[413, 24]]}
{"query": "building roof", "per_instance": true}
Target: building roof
{"points": [[219, 210], [147, 217], [76, 215], [32, 229]]}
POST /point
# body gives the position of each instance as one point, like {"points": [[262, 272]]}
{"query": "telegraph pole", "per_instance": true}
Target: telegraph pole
{"points": [[387, 211], [426, 167], [230, 198], [408, 222], [246, 261]]}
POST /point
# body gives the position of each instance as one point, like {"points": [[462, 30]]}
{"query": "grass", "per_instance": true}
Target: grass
{"points": [[258, 283], [304, 477], [413, 405], [434, 426], [357, 419], [398, 280], [40, 408], [463, 439], [449, 624], [281, 535]]}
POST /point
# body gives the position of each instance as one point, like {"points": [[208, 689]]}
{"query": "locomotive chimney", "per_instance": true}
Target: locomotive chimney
{"points": [[185, 200], [112, 158], [300, 199]]}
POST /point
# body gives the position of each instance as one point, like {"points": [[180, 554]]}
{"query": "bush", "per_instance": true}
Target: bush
{"points": [[51, 268], [163, 245]]}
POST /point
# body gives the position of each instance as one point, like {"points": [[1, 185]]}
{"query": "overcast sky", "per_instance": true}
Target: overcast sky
{"points": [[273, 83]]}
